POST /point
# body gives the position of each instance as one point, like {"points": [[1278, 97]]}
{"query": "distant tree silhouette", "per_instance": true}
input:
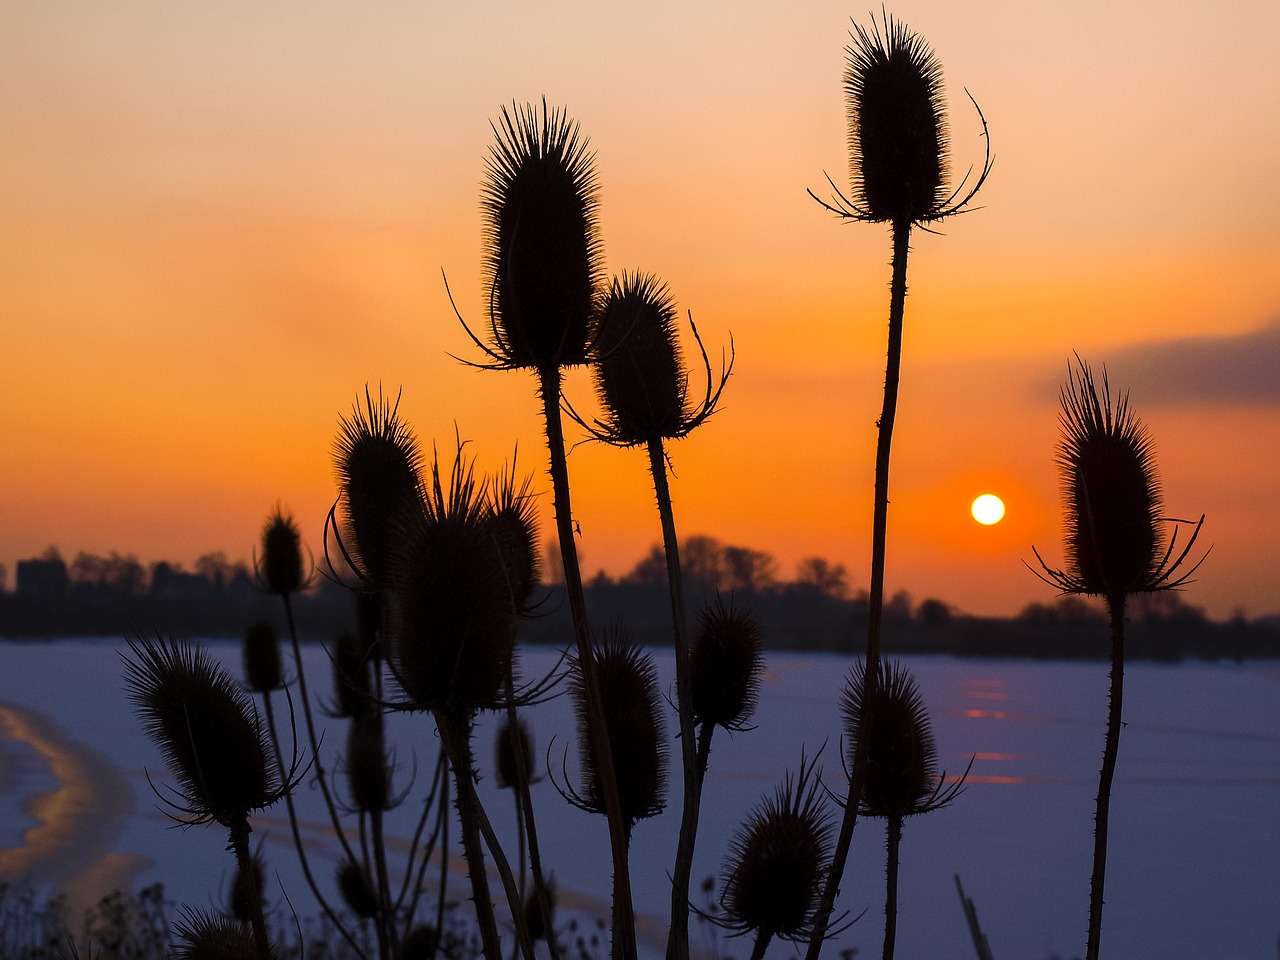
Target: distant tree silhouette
{"points": [[827, 578]]}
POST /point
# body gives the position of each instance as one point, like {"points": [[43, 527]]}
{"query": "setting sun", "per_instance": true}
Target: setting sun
{"points": [[987, 509]]}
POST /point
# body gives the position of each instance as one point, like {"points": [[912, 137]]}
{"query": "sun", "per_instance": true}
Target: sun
{"points": [[987, 509]]}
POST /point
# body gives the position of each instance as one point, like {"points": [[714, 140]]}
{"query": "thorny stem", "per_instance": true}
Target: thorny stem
{"points": [[1115, 606], [893, 839], [678, 938], [624, 934], [240, 844], [875, 608]]}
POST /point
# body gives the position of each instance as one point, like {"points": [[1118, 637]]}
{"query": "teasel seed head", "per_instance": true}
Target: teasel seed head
{"points": [[420, 943], [243, 892], [281, 568], [378, 466], [352, 684], [203, 936], [541, 243], [902, 777], [725, 664], [777, 859], [450, 621], [207, 729], [533, 920], [367, 767], [514, 522], [628, 686], [1111, 496], [357, 890], [261, 651], [507, 760]]}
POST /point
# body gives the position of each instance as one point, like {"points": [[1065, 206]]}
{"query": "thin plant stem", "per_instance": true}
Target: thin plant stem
{"points": [[761, 944], [444, 853], [413, 875], [240, 844], [1115, 607], [387, 942], [893, 840], [624, 934], [875, 600], [678, 937]]}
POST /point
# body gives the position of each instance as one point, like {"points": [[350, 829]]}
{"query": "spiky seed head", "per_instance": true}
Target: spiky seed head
{"points": [[420, 943], [206, 727], [507, 760], [725, 664], [897, 130], [261, 651], [640, 377], [450, 621], [378, 463], [352, 683], [368, 771], [203, 936], [281, 568], [357, 890], [773, 874], [902, 759], [541, 244], [1110, 491], [628, 685], [515, 529], [246, 889], [533, 919]]}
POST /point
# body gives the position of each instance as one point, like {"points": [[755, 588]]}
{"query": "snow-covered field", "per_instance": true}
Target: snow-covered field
{"points": [[1193, 872]]}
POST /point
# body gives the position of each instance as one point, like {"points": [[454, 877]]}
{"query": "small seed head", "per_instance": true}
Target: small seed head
{"points": [[281, 568], [261, 651]]}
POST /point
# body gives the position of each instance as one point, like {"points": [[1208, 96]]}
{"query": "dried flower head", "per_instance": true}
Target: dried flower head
{"points": [[207, 729], [640, 376], [902, 759], [776, 862], [1111, 497], [378, 463], [533, 919], [352, 683], [514, 522], [897, 131], [248, 889], [450, 624], [420, 943], [628, 685], [542, 247], [725, 666], [280, 568], [367, 767], [261, 651], [507, 760], [203, 936], [357, 890]]}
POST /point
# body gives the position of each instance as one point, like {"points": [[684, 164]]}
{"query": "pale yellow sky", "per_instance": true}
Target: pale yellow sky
{"points": [[218, 222]]}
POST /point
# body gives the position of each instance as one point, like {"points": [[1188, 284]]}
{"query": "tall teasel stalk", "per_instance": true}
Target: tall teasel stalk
{"points": [[213, 743], [773, 875], [450, 633], [902, 764], [543, 265], [899, 172], [633, 736], [1114, 548], [643, 388]]}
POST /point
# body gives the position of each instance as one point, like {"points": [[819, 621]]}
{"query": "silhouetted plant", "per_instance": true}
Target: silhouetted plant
{"points": [[898, 170], [773, 875], [902, 764], [543, 271], [1114, 549], [212, 741], [261, 652], [643, 388], [204, 936]]}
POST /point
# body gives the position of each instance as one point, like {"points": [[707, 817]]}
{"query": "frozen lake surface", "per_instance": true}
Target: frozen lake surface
{"points": [[1193, 870]]}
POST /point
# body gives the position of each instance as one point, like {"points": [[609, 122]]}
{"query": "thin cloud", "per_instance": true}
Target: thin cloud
{"points": [[1243, 369]]}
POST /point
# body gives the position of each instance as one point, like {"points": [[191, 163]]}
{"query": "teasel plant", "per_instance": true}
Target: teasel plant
{"points": [[643, 388], [902, 764], [1115, 547], [899, 171], [450, 636], [635, 736], [773, 874], [214, 745], [544, 274]]}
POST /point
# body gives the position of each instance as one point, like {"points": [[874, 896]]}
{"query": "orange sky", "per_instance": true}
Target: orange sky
{"points": [[218, 222]]}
